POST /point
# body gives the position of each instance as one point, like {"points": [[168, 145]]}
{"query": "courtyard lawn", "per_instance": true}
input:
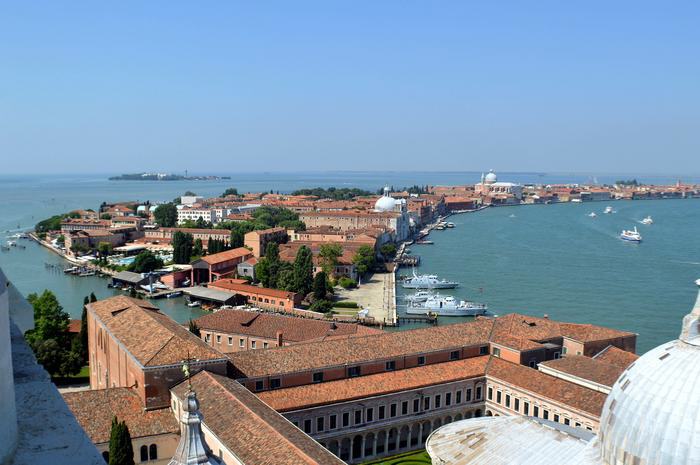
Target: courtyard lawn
{"points": [[420, 457]]}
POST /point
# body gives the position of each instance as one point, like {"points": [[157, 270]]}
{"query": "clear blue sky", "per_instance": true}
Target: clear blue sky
{"points": [[592, 86]]}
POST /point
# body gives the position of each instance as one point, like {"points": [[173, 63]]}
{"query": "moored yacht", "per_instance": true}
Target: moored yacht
{"points": [[420, 296], [592, 214], [631, 235], [446, 306], [428, 281], [608, 210], [647, 220]]}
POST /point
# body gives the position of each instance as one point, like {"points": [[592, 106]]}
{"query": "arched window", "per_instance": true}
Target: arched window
{"points": [[153, 452], [105, 455], [144, 453]]}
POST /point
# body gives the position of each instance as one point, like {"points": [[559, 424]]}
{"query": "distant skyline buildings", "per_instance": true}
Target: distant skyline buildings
{"points": [[375, 86]]}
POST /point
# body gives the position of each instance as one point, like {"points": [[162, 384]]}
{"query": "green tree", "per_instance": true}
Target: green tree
{"points": [[329, 254], [201, 223], [320, 286], [93, 297], [364, 259], [230, 191], [303, 271], [285, 277], [182, 247], [50, 321], [262, 272], [84, 335], [198, 249], [104, 248], [121, 452], [145, 262], [49, 339], [388, 250], [194, 328], [166, 215]]}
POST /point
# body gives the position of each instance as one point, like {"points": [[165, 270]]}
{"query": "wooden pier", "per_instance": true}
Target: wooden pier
{"points": [[407, 319]]}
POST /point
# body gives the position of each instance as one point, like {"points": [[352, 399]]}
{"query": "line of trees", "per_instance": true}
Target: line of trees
{"points": [[334, 193]]}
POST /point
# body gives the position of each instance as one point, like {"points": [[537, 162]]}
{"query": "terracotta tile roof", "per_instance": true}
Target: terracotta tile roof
{"points": [[619, 357], [524, 332], [95, 409], [587, 368], [152, 337], [240, 252], [540, 384], [74, 326], [343, 390], [249, 428], [232, 285], [262, 232], [267, 325], [309, 356], [589, 333]]}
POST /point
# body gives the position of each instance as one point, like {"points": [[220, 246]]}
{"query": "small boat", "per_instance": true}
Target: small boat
{"points": [[592, 214], [194, 303], [87, 273], [608, 210], [632, 236], [71, 270], [450, 225], [446, 306], [512, 215], [576, 200], [420, 296], [647, 220], [427, 281], [425, 242], [173, 295], [407, 251], [12, 243]]}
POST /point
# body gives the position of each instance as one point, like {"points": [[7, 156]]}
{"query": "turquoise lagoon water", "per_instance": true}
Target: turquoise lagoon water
{"points": [[549, 259]]}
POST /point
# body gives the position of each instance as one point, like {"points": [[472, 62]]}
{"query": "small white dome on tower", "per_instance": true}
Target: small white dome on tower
{"points": [[385, 203], [651, 414], [491, 177]]}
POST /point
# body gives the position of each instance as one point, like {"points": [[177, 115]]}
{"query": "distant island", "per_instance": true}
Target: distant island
{"points": [[164, 177]]}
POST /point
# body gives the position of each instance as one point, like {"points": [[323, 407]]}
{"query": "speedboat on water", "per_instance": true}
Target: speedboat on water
{"points": [[632, 236], [592, 214], [427, 281], [418, 297], [647, 220], [608, 210], [446, 306]]}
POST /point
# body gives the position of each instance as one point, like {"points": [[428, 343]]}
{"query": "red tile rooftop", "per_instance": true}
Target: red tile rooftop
{"points": [[587, 368], [615, 356], [543, 385], [151, 337], [227, 255], [312, 395], [314, 355], [95, 409], [235, 286], [267, 325], [249, 428]]}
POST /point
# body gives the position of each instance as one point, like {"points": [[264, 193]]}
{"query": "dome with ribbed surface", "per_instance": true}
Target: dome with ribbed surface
{"points": [[386, 203], [652, 414]]}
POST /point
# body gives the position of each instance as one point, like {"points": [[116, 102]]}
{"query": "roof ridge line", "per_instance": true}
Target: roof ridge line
{"points": [[159, 350]]}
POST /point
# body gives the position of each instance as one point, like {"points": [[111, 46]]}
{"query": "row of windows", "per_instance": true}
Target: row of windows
{"points": [[353, 371], [513, 403], [241, 341], [370, 414]]}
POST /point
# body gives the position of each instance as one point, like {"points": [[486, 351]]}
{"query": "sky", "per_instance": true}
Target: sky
{"points": [[551, 86]]}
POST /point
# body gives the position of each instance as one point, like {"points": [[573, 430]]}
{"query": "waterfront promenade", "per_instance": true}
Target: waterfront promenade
{"points": [[377, 295]]}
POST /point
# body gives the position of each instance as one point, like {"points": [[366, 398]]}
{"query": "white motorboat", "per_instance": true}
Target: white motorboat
{"points": [[450, 225], [418, 297], [631, 235], [427, 281], [194, 303], [12, 243], [608, 210], [592, 214], [647, 220], [446, 306]]}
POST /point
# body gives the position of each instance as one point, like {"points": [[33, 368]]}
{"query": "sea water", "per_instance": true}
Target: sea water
{"points": [[548, 259]]}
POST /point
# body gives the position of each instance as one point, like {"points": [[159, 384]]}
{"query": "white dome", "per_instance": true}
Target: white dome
{"points": [[652, 414], [491, 178], [385, 203]]}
